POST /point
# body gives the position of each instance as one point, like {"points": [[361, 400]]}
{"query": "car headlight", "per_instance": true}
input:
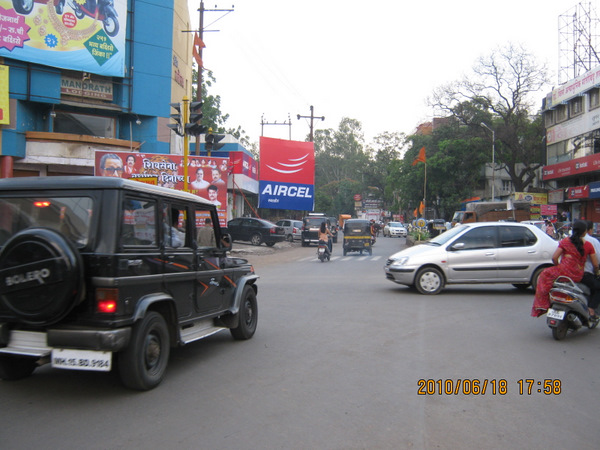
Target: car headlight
{"points": [[399, 262]]}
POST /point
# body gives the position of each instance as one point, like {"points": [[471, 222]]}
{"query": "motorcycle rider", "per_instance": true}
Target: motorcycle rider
{"points": [[325, 236], [569, 260], [590, 277]]}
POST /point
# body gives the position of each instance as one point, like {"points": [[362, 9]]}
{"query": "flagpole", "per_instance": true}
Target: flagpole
{"points": [[425, 190]]}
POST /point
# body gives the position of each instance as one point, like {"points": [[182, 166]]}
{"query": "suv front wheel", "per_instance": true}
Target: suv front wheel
{"points": [[143, 364]]}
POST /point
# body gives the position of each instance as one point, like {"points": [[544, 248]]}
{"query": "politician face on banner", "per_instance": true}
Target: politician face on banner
{"points": [[287, 174]]}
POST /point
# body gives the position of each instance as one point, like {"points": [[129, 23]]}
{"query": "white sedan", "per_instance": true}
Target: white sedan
{"points": [[395, 229]]}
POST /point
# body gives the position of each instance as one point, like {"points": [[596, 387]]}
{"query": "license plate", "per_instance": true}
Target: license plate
{"points": [[81, 359], [555, 314]]}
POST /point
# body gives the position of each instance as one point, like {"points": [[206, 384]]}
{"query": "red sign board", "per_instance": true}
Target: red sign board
{"points": [[357, 198], [588, 163], [578, 192]]}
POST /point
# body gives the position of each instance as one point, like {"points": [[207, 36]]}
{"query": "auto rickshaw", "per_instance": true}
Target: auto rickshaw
{"points": [[357, 236]]}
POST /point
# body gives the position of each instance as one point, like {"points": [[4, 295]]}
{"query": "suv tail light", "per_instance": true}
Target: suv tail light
{"points": [[106, 300], [295, 230], [273, 230]]}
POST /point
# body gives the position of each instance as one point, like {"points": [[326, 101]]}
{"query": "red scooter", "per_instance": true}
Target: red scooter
{"points": [[105, 10]]}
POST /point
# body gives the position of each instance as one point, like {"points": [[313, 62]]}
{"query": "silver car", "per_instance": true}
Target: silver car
{"points": [[293, 229], [484, 252], [394, 229]]}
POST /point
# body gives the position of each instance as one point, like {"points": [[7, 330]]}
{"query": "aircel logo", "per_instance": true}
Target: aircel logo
{"points": [[34, 275]]}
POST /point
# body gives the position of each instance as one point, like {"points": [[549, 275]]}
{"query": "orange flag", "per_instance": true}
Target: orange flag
{"points": [[421, 157], [421, 208], [415, 212], [198, 44]]}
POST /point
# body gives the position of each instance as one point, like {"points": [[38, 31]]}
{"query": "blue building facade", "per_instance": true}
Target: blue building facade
{"points": [[75, 85]]}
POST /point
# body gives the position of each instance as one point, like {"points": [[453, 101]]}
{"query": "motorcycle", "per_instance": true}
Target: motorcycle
{"points": [[105, 10], [323, 251], [568, 308]]}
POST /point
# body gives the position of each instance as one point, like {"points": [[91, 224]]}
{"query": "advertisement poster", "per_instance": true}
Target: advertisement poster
{"points": [[207, 177], [82, 35], [4, 100], [287, 175]]}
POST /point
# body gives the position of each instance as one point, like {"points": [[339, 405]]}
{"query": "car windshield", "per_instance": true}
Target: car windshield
{"points": [[395, 224], [447, 235], [314, 222], [70, 216]]}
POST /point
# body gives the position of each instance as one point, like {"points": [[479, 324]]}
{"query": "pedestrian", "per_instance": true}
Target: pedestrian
{"points": [[569, 260], [206, 234]]}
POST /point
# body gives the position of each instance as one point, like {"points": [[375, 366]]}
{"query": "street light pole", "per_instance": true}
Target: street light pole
{"points": [[493, 160]]}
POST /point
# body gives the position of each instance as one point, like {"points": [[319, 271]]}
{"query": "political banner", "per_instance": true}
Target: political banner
{"points": [[207, 177], [81, 35], [287, 175]]}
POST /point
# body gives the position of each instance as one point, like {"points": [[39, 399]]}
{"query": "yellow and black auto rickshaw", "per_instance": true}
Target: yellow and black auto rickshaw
{"points": [[357, 236]]}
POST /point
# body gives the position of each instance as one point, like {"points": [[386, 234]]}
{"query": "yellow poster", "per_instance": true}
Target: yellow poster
{"points": [[4, 102]]}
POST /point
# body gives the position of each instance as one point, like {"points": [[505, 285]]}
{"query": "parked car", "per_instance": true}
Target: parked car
{"points": [[103, 273], [255, 230], [310, 228], [292, 229], [481, 252], [392, 229]]}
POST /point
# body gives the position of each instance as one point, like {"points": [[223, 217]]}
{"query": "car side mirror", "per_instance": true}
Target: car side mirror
{"points": [[458, 246]]}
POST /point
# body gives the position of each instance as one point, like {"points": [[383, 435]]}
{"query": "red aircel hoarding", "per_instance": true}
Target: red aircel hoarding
{"points": [[287, 174]]}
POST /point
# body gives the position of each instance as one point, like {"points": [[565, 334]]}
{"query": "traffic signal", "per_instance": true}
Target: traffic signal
{"points": [[212, 141], [194, 128], [177, 127]]}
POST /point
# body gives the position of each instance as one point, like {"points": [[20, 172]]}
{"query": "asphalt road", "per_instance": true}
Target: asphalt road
{"points": [[336, 363]]}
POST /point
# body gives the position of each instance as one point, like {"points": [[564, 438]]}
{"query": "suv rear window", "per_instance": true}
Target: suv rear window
{"points": [[70, 216]]}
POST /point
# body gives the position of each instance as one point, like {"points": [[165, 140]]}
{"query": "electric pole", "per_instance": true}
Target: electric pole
{"points": [[312, 118], [285, 122]]}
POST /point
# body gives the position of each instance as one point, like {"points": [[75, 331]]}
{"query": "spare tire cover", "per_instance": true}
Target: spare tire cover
{"points": [[41, 276]]}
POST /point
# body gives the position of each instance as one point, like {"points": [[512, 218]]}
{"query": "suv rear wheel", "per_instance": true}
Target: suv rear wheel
{"points": [[143, 364], [16, 367]]}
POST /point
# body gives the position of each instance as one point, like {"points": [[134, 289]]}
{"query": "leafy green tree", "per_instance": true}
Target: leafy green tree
{"points": [[501, 92]]}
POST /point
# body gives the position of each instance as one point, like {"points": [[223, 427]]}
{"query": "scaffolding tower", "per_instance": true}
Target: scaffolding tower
{"points": [[578, 41]]}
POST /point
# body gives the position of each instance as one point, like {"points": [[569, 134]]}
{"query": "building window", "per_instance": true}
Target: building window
{"points": [[86, 124], [507, 185], [561, 113], [549, 118], [594, 96], [576, 106]]}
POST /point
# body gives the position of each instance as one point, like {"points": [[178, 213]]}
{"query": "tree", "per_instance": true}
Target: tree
{"points": [[500, 92]]}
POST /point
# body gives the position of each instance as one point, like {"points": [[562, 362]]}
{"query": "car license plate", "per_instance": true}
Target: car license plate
{"points": [[81, 359], [555, 314]]}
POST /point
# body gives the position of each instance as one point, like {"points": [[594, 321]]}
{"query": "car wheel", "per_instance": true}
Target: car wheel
{"points": [[16, 367], [290, 238], [535, 277], [522, 287], [429, 281], [304, 244], [269, 244], [248, 316], [256, 239], [143, 364], [345, 252], [370, 252], [560, 332]]}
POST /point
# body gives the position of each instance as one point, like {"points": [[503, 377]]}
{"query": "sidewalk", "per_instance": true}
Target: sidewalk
{"points": [[243, 248]]}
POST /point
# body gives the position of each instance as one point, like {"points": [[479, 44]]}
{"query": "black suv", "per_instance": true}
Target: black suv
{"points": [[99, 273], [310, 228]]}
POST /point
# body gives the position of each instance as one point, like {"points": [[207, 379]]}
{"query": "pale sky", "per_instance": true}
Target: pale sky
{"points": [[374, 61]]}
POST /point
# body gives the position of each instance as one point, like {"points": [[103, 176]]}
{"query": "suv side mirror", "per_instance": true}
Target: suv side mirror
{"points": [[227, 242]]}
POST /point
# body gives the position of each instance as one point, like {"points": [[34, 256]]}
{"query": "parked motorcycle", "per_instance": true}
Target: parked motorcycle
{"points": [[105, 10], [323, 251], [568, 308]]}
